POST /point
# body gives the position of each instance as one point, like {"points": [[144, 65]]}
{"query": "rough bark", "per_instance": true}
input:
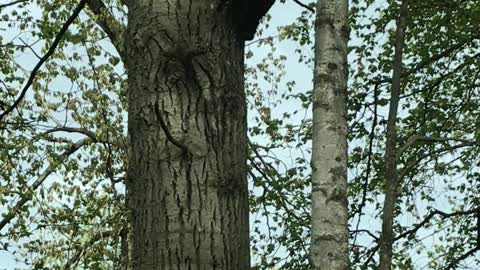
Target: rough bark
{"points": [[329, 245], [391, 173], [186, 184]]}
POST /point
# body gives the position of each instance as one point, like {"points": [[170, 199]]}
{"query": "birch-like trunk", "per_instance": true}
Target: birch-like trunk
{"points": [[187, 185], [329, 244]]}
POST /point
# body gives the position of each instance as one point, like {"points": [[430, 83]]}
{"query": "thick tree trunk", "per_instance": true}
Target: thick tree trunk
{"points": [[329, 245], [187, 186], [391, 173]]}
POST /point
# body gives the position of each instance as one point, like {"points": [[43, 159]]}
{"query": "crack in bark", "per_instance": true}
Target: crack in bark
{"points": [[167, 131]]}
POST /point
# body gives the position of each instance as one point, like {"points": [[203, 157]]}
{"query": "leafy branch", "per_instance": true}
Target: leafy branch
{"points": [[49, 53], [49, 170]]}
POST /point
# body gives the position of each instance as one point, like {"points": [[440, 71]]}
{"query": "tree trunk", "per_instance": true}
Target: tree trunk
{"points": [[329, 245], [187, 186], [391, 174]]}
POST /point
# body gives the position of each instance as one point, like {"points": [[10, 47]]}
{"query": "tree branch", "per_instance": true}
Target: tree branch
{"points": [[81, 249], [412, 164], [414, 139], [86, 132], [304, 5], [120, 142], [467, 254], [49, 53], [12, 3], [369, 160], [426, 62], [109, 25], [442, 77], [50, 169], [373, 250], [432, 215], [367, 232]]}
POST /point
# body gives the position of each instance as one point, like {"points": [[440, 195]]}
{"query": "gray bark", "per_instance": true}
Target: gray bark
{"points": [[391, 173], [329, 245], [186, 184]]}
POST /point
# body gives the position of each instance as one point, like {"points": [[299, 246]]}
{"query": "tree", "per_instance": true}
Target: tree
{"points": [[329, 244], [186, 183], [391, 173]]}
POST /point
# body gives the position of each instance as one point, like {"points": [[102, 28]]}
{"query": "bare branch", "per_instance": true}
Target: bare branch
{"points": [[50, 169], [367, 232], [26, 45], [432, 215], [304, 5], [83, 131], [49, 53], [444, 215], [467, 254], [414, 139], [120, 142], [369, 161], [12, 3], [391, 173]]}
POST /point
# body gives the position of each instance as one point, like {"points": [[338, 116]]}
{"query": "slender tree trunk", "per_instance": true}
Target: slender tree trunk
{"points": [[391, 174], [329, 245], [187, 186]]}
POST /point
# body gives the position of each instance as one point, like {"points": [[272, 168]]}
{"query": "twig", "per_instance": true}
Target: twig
{"points": [[369, 161], [412, 164]]}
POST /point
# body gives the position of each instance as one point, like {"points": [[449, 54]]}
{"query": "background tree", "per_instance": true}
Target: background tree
{"points": [[391, 174], [433, 201], [329, 244]]}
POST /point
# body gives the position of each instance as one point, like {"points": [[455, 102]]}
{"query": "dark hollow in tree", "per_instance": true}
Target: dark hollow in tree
{"points": [[246, 16]]}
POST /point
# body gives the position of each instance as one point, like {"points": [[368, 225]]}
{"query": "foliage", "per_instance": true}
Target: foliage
{"points": [[62, 149]]}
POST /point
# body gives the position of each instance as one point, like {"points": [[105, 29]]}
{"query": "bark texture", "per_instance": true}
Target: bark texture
{"points": [[391, 173], [329, 245], [187, 185]]}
